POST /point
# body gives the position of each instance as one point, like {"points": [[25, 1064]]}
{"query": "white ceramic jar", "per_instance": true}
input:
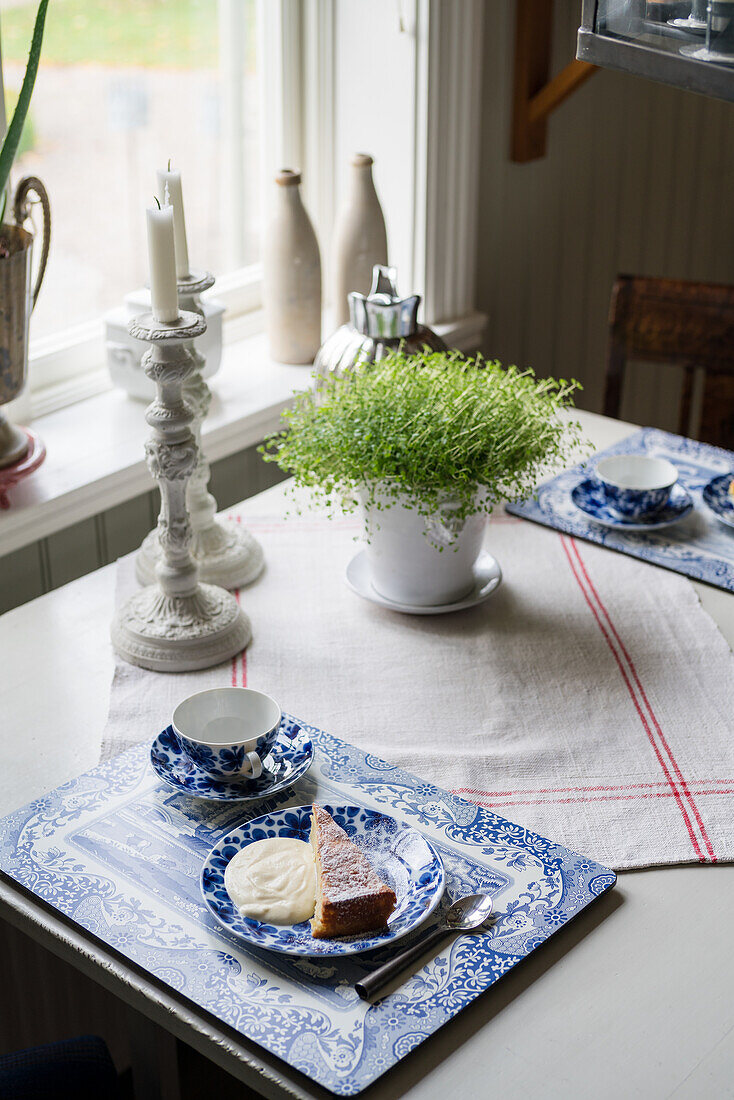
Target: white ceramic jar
{"points": [[124, 352], [360, 238], [291, 276], [422, 561]]}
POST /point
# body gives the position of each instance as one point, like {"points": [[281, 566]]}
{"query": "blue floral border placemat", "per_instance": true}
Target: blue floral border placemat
{"points": [[120, 854], [698, 546]]}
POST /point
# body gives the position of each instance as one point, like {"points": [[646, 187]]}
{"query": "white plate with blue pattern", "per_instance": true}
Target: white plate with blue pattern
{"points": [[290, 758], [401, 856], [716, 497], [589, 498]]}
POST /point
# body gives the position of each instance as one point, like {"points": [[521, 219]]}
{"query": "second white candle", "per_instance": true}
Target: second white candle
{"points": [[171, 179]]}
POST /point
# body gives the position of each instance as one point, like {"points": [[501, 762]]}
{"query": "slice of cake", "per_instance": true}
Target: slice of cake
{"points": [[350, 897]]}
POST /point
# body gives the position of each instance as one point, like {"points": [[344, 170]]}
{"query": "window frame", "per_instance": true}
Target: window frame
{"points": [[69, 365], [298, 95]]}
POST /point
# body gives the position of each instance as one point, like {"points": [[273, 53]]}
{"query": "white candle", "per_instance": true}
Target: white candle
{"points": [[172, 180], [162, 262]]}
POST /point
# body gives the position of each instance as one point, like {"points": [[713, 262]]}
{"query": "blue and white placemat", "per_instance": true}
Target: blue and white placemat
{"points": [[119, 854], [699, 546]]}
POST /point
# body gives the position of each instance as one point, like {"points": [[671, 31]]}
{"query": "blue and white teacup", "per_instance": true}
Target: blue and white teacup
{"points": [[226, 732], [636, 486]]}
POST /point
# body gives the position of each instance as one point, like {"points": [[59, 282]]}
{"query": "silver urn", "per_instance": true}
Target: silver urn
{"points": [[380, 322]]}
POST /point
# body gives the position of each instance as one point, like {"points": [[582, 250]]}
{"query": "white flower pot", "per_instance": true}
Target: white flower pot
{"points": [[420, 560]]}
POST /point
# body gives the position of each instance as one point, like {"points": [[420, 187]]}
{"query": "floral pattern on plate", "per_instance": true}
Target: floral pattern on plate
{"points": [[716, 497], [288, 760], [401, 856]]}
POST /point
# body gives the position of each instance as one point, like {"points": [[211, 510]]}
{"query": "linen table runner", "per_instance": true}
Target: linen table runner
{"points": [[590, 699]]}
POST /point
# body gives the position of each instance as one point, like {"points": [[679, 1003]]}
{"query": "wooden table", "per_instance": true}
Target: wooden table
{"points": [[634, 998]]}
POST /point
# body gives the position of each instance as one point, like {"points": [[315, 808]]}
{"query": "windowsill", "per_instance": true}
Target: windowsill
{"points": [[95, 457], [95, 447]]}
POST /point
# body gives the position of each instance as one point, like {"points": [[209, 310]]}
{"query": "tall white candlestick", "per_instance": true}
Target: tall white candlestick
{"points": [[172, 180], [162, 262]]}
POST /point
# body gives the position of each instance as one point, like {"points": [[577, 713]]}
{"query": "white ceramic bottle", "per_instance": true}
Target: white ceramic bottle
{"points": [[360, 238], [291, 276]]}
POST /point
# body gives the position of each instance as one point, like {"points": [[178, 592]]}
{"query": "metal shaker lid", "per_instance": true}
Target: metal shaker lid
{"points": [[383, 314]]}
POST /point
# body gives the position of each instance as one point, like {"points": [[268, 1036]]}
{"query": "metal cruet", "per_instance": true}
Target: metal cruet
{"points": [[380, 322]]}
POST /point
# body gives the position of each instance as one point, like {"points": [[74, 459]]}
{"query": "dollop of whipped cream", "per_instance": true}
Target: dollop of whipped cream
{"points": [[273, 881]]}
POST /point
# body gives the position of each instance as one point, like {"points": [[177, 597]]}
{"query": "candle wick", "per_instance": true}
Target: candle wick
{"points": [[155, 197], [169, 164], [166, 196]]}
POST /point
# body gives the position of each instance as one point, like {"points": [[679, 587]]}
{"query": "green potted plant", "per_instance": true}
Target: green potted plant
{"points": [[427, 444], [17, 294]]}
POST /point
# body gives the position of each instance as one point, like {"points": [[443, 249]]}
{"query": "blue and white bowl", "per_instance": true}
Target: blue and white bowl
{"points": [[227, 732], [402, 856], [636, 486]]}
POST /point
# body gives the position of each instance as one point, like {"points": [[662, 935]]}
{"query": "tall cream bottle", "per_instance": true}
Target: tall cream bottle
{"points": [[360, 238], [291, 276]]}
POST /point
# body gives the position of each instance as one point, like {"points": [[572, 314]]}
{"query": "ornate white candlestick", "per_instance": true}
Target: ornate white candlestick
{"points": [[225, 552], [175, 624]]}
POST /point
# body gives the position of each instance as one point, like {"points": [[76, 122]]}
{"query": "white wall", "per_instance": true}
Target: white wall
{"points": [[638, 180]]}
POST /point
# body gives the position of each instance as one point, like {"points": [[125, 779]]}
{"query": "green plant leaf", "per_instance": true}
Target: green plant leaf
{"points": [[15, 129], [424, 429]]}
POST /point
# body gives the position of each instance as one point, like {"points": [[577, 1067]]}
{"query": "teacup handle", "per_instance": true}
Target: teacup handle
{"points": [[256, 765]]}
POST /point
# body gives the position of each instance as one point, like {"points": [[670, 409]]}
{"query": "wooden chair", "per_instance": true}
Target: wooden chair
{"points": [[690, 325]]}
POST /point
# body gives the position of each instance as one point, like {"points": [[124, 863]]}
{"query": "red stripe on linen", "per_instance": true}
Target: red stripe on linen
{"points": [[635, 700], [581, 790], [239, 659], [683, 783], [596, 798], [263, 523], [234, 659]]}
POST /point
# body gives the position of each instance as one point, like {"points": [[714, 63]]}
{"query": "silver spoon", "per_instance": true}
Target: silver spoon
{"points": [[465, 915]]}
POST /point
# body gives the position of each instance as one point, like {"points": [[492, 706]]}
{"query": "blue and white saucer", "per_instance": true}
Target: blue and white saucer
{"points": [[716, 497], [401, 856], [589, 498], [289, 759]]}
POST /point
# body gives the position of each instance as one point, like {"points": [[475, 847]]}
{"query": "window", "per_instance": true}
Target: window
{"points": [[124, 85], [231, 90]]}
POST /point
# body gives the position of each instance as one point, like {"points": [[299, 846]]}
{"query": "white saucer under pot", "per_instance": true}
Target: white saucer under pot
{"points": [[487, 578]]}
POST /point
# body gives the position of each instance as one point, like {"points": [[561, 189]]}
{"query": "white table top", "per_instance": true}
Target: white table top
{"points": [[634, 998]]}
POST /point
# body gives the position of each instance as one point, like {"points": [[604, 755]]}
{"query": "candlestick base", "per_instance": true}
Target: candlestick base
{"points": [[180, 633], [226, 553]]}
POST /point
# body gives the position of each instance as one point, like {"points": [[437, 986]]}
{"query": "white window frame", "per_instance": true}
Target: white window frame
{"points": [[69, 365], [298, 91], [447, 40]]}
